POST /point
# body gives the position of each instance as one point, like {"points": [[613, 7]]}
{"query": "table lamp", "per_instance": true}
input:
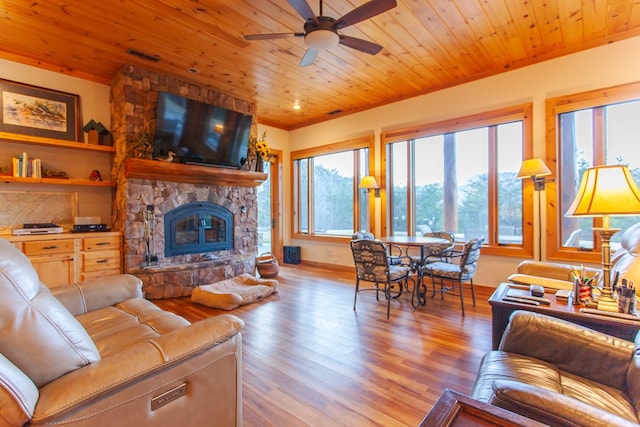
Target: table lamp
{"points": [[606, 191]]}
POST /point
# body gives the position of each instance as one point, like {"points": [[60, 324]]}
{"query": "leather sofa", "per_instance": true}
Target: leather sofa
{"points": [[562, 374], [97, 353], [625, 261]]}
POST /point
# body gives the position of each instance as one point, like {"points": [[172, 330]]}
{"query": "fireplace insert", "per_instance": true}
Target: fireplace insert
{"points": [[198, 227]]}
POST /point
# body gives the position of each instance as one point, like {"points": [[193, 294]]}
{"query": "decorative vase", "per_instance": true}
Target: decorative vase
{"points": [[259, 165]]}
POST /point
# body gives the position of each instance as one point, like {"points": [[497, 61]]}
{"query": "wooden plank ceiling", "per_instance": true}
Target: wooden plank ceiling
{"points": [[428, 45]]}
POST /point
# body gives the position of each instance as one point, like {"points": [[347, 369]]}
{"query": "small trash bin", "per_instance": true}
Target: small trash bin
{"points": [[291, 255]]}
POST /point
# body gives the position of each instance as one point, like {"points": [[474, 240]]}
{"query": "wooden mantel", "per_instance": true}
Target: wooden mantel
{"points": [[191, 174]]}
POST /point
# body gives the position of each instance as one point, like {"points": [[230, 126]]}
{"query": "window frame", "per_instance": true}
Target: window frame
{"points": [[332, 148], [522, 112], [554, 107]]}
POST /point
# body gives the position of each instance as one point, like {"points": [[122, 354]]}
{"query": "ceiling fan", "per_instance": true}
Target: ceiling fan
{"points": [[321, 32]]}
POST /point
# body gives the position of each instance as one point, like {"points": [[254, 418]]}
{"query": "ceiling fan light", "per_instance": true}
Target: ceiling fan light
{"points": [[321, 39]]}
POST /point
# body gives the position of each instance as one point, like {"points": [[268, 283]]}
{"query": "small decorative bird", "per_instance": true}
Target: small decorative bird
{"points": [[95, 175], [170, 155]]}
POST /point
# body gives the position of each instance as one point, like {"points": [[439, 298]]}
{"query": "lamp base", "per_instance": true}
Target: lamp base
{"points": [[607, 303]]}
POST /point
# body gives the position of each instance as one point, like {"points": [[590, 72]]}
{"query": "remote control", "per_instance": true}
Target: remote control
{"points": [[532, 298], [521, 300]]}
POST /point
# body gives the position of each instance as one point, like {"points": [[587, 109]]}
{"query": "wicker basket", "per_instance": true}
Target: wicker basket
{"points": [[268, 266]]}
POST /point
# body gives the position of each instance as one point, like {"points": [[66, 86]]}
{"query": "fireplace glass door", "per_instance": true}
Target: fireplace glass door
{"points": [[198, 228]]}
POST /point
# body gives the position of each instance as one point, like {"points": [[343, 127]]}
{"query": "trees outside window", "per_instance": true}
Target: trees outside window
{"points": [[460, 176], [584, 130], [327, 200]]}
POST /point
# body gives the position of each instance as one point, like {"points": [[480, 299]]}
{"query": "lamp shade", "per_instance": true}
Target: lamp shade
{"points": [[532, 168], [606, 191], [369, 182]]}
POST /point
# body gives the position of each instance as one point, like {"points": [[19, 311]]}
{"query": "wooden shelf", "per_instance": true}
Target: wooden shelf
{"points": [[191, 174], [37, 140], [56, 181]]}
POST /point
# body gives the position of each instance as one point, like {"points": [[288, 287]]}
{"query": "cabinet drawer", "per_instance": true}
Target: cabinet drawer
{"points": [[49, 247], [100, 260], [100, 243]]}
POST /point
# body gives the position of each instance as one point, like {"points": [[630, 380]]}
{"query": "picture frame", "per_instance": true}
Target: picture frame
{"points": [[37, 111]]}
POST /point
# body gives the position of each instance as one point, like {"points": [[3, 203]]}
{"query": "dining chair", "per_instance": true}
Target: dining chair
{"points": [[373, 265], [443, 252], [394, 252], [454, 272], [433, 252]]}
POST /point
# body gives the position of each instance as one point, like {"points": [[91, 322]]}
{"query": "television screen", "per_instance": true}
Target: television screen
{"points": [[200, 133]]}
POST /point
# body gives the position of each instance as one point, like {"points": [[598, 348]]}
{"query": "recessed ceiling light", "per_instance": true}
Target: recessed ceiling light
{"points": [[296, 106]]}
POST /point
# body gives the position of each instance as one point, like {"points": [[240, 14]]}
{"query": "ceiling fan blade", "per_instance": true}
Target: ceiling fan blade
{"points": [[361, 45], [309, 57], [303, 9], [366, 11], [270, 36]]}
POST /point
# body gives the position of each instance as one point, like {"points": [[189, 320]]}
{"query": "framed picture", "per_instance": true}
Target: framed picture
{"points": [[36, 111]]}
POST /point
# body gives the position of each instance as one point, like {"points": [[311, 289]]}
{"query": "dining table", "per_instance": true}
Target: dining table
{"points": [[423, 243]]}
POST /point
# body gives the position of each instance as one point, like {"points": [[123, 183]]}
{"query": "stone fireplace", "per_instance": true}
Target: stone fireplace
{"points": [[198, 223]]}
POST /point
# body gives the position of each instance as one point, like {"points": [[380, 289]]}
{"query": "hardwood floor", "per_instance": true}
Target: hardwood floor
{"points": [[310, 360]]}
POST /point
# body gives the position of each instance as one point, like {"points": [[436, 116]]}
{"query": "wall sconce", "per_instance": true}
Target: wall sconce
{"points": [[369, 182], [535, 169]]}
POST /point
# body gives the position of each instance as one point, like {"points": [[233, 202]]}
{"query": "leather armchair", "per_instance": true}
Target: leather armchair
{"points": [[562, 374], [98, 354]]}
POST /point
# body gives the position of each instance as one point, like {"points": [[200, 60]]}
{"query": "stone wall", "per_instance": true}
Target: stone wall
{"points": [[134, 94]]}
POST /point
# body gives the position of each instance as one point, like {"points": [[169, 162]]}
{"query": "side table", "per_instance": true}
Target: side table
{"points": [[501, 310], [455, 409]]}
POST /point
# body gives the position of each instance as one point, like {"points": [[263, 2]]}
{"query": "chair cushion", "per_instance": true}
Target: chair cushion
{"points": [[231, 293], [39, 335], [398, 272]]}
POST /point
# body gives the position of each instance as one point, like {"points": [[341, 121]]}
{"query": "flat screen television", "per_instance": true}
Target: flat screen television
{"points": [[200, 133]]}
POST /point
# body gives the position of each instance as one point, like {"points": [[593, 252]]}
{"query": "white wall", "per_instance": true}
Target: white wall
{"points": [[601, 67], [94, 102]]}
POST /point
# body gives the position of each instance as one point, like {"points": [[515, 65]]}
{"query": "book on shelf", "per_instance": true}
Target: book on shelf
{"points": [[25, 167]]}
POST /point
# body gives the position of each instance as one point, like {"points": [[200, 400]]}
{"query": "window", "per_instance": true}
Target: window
{"points": [[327, 200], [460, 176], [589, 129]]}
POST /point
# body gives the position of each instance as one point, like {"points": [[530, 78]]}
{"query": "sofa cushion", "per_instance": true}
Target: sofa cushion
{"points": [[633, 377], [18, 395], [39, 335], [625, 261], [123, 325], [551, 408], [502, 377]]}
